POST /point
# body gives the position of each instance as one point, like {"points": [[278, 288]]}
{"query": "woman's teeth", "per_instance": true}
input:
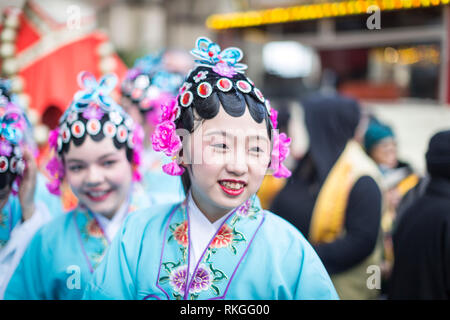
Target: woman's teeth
{"points": [[232, 185], [97, 194]]}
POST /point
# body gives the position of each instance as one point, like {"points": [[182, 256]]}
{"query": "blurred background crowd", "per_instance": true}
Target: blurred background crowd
{"points": [[393, 63]]}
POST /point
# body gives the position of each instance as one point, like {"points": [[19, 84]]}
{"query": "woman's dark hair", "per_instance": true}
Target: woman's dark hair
{"points": [[234, 102], [98, 137], [7, 178]]}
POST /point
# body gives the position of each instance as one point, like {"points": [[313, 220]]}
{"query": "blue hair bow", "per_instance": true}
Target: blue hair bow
{"points": [[209, 53], [93, 92]]}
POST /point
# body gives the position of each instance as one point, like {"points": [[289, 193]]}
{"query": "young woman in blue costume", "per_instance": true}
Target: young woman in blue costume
{"points": [[218, 243], [148, 85], [22, 208], [97, 150]]}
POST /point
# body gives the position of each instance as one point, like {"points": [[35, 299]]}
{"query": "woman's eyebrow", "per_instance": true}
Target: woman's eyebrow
{"points": [[107, 155], [259, 137], [99, 159]]}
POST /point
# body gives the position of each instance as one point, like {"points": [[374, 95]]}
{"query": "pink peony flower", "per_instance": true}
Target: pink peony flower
{"points": [[53, 187], [280, 152], [173, 169], [169, 110], [53, 138], [224, 70], [274, 117], [55, 167], [165, 138]]}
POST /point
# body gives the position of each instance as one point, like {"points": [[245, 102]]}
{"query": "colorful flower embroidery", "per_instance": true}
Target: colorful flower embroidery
{"points": [[206, 277], [177, 279], [223, 238], [180, 234], [94, 229]]}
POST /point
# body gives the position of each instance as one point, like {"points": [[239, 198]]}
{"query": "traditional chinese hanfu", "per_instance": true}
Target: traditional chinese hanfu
{"points": [[171, 252], [64, 253], [15, 235]]}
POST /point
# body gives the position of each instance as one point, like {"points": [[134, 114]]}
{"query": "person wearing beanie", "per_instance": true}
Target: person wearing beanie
{"points": [[398, 179], [422, 237]]}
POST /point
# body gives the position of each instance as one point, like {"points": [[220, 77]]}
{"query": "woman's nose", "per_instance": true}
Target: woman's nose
{"points": [[238, 164], [94, 175]]}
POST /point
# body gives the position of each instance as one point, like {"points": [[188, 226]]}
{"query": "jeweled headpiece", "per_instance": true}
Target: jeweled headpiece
{"points": [[12, 126], [148, 85], [217, 79]]}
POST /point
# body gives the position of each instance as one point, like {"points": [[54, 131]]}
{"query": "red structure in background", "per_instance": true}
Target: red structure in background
{"points": [[47, 55], [43, 56]]}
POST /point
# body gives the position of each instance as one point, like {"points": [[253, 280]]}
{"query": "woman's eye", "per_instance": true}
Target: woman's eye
{"points": [[109, 163], [256, 149], [220, 146], [75, 168]]}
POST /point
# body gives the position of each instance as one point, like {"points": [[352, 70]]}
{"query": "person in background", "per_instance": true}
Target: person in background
{"points": [[398, 178], [333, 195], [23, 209], [422, 238], [153, 81]]}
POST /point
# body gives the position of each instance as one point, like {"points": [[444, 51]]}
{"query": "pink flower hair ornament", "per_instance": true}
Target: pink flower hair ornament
{"points": [[280, 150], [165, 138]]}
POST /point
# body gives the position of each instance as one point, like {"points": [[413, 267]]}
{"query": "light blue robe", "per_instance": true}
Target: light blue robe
{"points": [[255, 254], [11, 213], [62, 256], [10, 216]]}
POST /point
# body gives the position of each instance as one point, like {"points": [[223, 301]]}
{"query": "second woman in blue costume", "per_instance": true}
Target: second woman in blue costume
{"points": [[97, 151]]}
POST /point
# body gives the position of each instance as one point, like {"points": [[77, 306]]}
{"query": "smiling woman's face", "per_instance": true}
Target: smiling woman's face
{"points": [[229, 156], [99, 175]]}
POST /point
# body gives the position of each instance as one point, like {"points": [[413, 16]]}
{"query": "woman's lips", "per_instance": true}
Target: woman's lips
{"points": [[98, 196], [232, 187]]}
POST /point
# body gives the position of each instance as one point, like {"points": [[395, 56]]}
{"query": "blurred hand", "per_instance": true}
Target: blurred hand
{"points": [[28, 185], [393, 198]]}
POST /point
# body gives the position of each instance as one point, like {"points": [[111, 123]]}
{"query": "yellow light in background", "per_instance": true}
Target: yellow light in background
{"points": [[391, 55], [310, 11]]}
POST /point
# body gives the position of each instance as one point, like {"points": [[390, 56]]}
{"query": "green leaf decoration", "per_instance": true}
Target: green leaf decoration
{"points": [[215, 290]]}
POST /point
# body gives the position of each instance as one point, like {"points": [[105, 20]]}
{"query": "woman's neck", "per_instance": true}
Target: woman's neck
{"points": [[212, 213]]}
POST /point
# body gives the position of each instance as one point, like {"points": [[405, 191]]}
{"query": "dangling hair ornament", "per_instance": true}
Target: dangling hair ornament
{"points": [[165, 139], [280, 149], [200, 84], [91, 104]]}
